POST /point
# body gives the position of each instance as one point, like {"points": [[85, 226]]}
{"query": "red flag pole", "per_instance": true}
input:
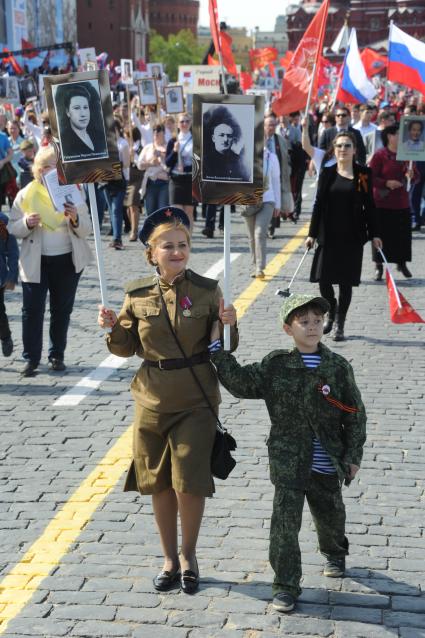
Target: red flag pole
{"points": [[316, 61], [215, 32]]}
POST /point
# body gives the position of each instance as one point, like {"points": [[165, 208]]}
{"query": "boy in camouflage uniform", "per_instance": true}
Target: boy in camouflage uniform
{"points": [[318, 429]]}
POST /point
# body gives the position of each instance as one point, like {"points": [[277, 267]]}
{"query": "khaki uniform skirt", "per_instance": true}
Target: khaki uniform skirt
{"points": [[172, 451]]}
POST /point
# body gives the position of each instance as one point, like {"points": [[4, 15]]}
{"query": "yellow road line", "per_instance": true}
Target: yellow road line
{"points": [[47, 551]]}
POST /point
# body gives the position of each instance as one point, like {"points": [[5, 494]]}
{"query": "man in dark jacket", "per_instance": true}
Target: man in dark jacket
{"points": [[342, 116]]}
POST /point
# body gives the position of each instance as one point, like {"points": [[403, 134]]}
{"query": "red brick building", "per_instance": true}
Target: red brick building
{"points": [[118, 27], [371, 18], [170, 16]]}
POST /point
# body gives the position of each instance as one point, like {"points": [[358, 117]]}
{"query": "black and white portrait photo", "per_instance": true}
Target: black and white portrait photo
{"points": [[13, 89], [126, 66], [228, 142], [174, 102], [147, 91], [411, 139], [81, 127], [155, 70], [3, 87], [28, 89]]}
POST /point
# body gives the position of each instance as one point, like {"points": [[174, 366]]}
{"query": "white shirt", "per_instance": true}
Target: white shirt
{"points": [[124, 155], [364, 130]]}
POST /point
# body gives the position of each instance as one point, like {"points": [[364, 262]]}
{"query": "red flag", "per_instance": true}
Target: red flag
{"points": [[226, 52], [12, 61], [285, 61], [400, 309], [214, 24], [373, 62], [27, 45], [212, 61], [272, 70], [299, 76], [245, 80], [260, 58]]}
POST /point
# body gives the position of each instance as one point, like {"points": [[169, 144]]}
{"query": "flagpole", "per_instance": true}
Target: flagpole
{"points": [[316, 60], [392, 278], [409, 179], [98, 245]]}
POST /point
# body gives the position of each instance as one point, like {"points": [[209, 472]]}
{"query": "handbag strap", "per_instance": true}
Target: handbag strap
{"points": [[188, 362]]}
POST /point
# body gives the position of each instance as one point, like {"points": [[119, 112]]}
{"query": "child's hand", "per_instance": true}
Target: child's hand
{"points": [[215, 331], [227, 315], [353, 470], [106, 318]]}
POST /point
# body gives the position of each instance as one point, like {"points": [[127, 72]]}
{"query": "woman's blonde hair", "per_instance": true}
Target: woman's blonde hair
{"points": [[45, 156], [159, 230]]}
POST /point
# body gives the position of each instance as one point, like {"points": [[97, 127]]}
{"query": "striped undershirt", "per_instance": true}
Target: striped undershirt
{"points": [[321, 460]]}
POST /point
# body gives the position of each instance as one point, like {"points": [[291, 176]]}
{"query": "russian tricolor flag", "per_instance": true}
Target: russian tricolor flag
{"points": [[355, 86], [406, 60]]}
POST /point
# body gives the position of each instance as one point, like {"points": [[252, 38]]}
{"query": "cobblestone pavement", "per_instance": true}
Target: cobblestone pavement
{"points": [[102, 585]]}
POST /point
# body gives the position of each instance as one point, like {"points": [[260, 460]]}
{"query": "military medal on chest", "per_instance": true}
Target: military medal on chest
{"points": [[185, 305]]}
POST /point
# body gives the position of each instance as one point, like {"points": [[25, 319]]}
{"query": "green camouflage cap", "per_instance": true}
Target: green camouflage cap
{"points": [[296, 301]]}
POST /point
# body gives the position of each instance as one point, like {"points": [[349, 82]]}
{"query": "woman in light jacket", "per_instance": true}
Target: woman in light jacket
{"points": [[51, 260]]}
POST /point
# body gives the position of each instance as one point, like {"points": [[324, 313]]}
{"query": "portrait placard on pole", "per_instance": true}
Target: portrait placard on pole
{"points": [[228, 140], [411, 139], [81, 119]]}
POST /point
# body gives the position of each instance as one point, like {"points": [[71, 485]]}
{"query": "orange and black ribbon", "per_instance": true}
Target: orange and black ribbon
{"points": [[362, 183], [324, 390]]}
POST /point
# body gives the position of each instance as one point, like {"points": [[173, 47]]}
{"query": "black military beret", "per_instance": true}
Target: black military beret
{"points": [[162, 216]]}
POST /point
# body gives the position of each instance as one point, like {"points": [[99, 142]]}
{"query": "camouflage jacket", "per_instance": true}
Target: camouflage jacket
{"points": [[301, 402]]}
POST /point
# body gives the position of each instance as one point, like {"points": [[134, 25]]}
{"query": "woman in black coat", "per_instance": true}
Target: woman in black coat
{"points": [[343, 220]]}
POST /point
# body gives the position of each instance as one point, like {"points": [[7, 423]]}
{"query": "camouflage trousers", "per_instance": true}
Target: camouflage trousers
{"points": [[324, 499]]}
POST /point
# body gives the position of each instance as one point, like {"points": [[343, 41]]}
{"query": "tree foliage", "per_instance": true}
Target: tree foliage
{"points": [[177, 49]]}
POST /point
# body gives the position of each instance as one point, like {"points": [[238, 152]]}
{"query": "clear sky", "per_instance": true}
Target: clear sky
{"points": [[246, 13]]}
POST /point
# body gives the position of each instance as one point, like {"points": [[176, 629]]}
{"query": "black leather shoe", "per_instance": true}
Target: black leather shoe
{"points": [[7, 346], [404, 270], [57, 365], [189, 581], [29, 369], [165, 580], [208, 232]]}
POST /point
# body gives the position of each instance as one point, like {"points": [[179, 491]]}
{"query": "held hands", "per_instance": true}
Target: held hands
{"points": [[9, 285], [410, 173], [71, 212], [227, 317], [106, 318], [176, 147], [377, 242], [33, 220], [353, 470], [309, 242]]}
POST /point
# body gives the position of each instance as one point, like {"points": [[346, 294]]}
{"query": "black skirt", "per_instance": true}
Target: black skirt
{"points": [[395, 228], [181, 189], [337, 263]]}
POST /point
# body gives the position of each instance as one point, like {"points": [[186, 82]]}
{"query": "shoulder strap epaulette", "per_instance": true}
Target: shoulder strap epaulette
{"points": [[203, 282], [276, 353], [138, 284]]}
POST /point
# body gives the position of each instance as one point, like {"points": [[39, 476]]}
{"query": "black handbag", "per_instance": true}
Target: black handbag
{"points": [[222, 462]]}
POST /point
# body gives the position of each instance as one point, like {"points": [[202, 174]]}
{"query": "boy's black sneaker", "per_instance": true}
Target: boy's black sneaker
{"points": [[335, 568], [283, 602], [29, 369], [7, 346]]}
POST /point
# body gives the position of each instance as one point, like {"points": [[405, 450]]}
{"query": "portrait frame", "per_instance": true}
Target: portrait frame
{"points": [[126, 65], [13, 93], [100, 166], [155, 70], [28, 89], [148, 93], [238, 179], [87, 56], [174, 100], [411, 139]]}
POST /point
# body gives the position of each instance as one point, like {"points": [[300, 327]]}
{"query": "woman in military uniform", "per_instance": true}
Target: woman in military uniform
{"points": [[174, 429]]}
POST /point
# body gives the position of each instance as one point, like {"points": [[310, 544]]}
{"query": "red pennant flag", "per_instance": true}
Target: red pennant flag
{"points": [[259, 58], [373, 62], [400, 309], [214, 24], [299, 76], [27, 45], [245, 80], [212, 61], [227, 54]]}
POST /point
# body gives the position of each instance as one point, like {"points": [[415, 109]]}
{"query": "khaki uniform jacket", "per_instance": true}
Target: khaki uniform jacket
{"points": [[298, 409], [142, 329], [30, 251]]}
